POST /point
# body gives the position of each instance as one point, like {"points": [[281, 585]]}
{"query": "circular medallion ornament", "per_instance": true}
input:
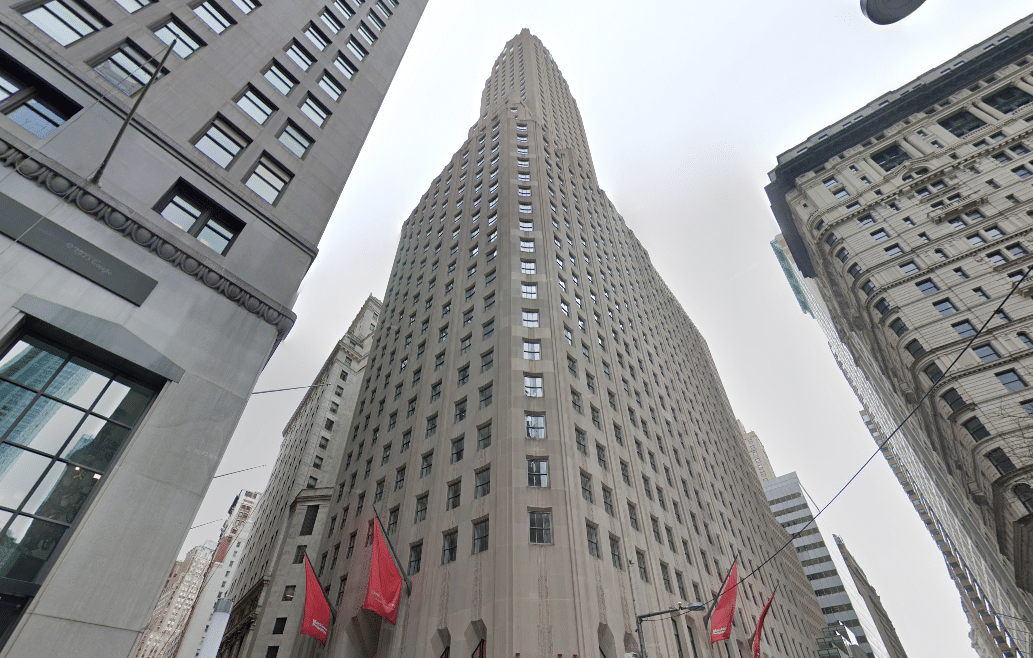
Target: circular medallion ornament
{"points": [[886, 12]]}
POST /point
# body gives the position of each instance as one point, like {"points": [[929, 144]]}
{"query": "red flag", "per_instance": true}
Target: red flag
{"points": [[721, 621], [385, 583], [317, 610], [760, 623]]}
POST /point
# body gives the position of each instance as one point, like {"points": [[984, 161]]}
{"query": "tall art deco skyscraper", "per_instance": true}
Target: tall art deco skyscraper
{"points": [[139, 304], [540, 427]]}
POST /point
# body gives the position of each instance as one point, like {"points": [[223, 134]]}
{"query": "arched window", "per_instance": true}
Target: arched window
{"points": [[1024, 493]]}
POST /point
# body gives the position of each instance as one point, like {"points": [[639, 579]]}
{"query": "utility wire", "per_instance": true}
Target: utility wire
{"points": [[1000, 307], [240, 471], [296, 388], [209, 523]]}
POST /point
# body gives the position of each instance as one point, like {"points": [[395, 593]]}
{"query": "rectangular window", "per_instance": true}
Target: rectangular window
{"points": [[453, 495], [345, 66], [199, 216], [449, 546], [296, 141], [268, 179], [480, 536], [592, 534], [300, 56], [331, 86], [279, 78], [533, 350], [222, 142], [65, 21], [317, 38], [535, 424], [256, 106], [541, 527], [214, 16], [128, 68], [415, 558], [421, 508], [187, 43], [315, 110], [482, 483], [537, 472], [357, 49]]}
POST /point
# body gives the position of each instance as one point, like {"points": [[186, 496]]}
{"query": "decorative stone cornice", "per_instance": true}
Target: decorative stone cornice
{"points": [[134, 229]]}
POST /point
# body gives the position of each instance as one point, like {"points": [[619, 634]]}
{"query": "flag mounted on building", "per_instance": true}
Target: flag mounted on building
{"points": [[760, 624], [385, 581], [724, 613], [317, 610]]}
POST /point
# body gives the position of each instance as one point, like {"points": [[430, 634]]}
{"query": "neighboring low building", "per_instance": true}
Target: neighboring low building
{"points": [[235, 532], [294, 513], [164, 629]]}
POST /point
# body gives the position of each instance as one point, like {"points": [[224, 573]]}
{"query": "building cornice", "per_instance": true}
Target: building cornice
{"points": [[95, 203], [783, 177]]}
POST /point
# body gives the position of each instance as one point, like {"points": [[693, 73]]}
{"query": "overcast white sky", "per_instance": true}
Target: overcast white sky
{"points": [[686, 105]]}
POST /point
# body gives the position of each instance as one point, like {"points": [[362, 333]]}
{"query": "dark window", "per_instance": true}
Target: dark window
{"points": [[953, 399], [890, 157], [199, 216], [986, 353], [975, 427], [882, 306], [915, 348], [279, 625], [311, 511], [1001, 461], [897, 326], [30, 102], [933, 372], [1008, 100], [961, 123]]}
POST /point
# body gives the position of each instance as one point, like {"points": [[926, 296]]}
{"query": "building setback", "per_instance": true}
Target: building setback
{"points": [[295, 512], [138, 307], [911, 218], [541, 428]]}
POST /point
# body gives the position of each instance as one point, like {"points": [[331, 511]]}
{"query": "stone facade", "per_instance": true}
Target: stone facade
{"points": [[174, 271], [235, 532], [175, 603], [541, 428], [911, 219], [295, 512], [758, 454]]}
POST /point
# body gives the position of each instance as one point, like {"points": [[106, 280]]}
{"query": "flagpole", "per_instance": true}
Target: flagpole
{"points": [[390, 546]]}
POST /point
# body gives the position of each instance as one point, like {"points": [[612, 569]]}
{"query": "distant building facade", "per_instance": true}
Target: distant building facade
{"points": [[758, 454], [912, 218], [295, 512], [177, 600], [235, 532], [159, 288], [883, 623], [840, 601]]}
